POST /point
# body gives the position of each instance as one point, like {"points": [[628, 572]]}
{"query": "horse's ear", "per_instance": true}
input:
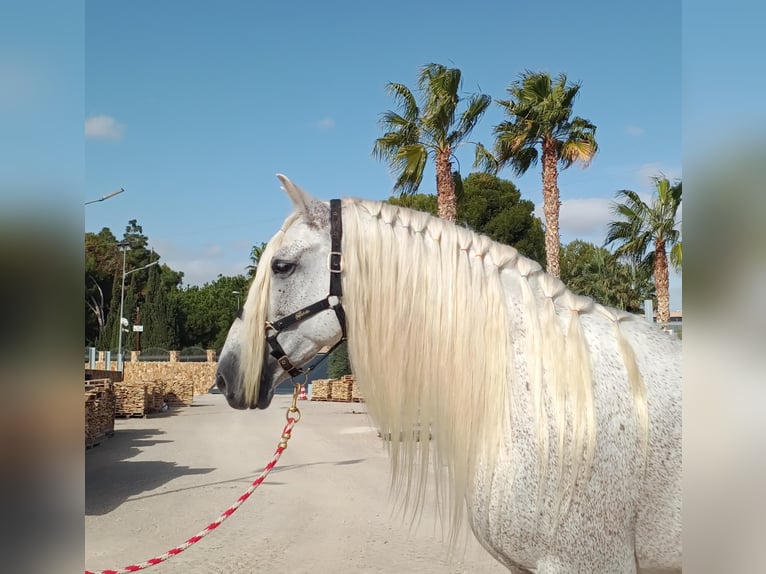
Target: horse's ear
{"points": [[313, 210]]}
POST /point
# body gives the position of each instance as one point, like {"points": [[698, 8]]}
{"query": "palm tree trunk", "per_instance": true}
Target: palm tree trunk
{"points": [[445, 187], [661, 282], [551, 206]]}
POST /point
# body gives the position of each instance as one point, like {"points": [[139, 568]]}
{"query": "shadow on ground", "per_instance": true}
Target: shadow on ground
{"points": [[111, 479]]}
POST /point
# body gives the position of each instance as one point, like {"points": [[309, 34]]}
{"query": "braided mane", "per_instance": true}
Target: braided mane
{"points": [[430, 344]]}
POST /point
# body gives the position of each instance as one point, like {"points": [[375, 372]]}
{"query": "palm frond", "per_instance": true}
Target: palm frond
{"points": [[633, 207], [440, 87], [404, 100], [387, 146], [485, 161], [477, 105], [523, 159], [677, 255], [409, 163], [511, 138], [577, 150], [391, 121]]}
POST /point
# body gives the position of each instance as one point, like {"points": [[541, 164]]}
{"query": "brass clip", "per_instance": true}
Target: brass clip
{"points": [[294, 410]]}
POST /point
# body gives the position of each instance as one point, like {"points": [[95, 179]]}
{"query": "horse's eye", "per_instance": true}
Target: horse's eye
{"points": [[282, 267]]}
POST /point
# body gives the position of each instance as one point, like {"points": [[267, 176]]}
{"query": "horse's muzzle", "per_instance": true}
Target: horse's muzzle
{"points": [[228, 379]]}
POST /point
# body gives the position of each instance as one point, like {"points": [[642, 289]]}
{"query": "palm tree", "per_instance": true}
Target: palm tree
{"points": [[255, 257], [540, 111], [413, 133], [645, 232]]}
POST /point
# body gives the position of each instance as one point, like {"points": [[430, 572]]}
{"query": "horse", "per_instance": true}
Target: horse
{"points": [[555, 421]]}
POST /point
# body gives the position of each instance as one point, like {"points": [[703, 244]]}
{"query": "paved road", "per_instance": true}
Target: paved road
{"points": [[325, 508]]}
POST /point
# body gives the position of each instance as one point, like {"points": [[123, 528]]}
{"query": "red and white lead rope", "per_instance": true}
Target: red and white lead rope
{"points": [[228, 512]]}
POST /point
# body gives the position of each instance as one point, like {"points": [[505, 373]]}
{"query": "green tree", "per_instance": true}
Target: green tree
{"points": [[111, 337], [103, 282], [540, 112], [103, 262], [419, 201], [159, 313], [338, 363], [593, 271], [493, 206], [206, 312], [646, 231], [413, 134]]}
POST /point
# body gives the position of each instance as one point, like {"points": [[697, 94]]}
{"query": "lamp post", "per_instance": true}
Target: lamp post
{"points": [[123, 321], [107, 196], [237, 294]]}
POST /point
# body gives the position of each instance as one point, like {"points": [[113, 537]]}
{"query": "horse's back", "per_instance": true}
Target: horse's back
{"points": [[658, 522], [623, 512]]}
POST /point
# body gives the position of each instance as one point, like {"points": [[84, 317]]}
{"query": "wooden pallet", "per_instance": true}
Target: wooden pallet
{"points": [[356, 393], [340, 391], [132, 399], [99, 411], [320, 390], [124, 415]]}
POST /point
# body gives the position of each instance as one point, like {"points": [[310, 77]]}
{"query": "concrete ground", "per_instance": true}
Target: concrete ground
{"points": [[324, 509]]}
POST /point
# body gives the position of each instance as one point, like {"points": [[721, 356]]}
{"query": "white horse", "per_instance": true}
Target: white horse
{"points": [[556, 422]]}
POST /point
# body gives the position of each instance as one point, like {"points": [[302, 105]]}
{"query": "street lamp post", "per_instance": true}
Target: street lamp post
{"points": [[105, 197], [124, 245], [237, 294]]}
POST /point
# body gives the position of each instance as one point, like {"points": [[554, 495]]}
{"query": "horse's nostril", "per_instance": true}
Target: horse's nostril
{"points": [[220, 382]]}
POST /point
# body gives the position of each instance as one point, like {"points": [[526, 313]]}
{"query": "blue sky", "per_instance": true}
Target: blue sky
{"points": [[192, 107]]}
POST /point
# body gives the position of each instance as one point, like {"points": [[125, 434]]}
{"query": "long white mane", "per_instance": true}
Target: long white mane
{"points": [[430, 343]]}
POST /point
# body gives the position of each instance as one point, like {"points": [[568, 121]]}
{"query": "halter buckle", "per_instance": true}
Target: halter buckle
{"points": [[335, 265]]}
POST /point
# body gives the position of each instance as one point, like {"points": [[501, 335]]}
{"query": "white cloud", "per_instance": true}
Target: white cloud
{"points": [[325, 124], [634, 130], [587, 217], [202, 264], [104, 127]]}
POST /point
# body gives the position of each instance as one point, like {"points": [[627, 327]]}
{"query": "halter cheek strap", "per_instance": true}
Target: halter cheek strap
{"points": [[332, 301]]}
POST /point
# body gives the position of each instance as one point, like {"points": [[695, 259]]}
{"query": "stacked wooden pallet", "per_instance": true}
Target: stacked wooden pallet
{"points": [[155, 391], [99, 411], [132, 399], [320, 390], [356, 394], [340, 389], [179, 391], [201, 375]]}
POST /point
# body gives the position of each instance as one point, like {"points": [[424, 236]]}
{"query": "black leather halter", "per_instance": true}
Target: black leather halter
{"points": [[334, 264]]}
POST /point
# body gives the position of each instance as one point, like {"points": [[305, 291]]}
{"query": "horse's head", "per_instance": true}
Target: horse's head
{"points": [[293, 274]]}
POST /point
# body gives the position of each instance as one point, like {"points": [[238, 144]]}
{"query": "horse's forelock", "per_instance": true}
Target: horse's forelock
{"points": [[255, 310]]}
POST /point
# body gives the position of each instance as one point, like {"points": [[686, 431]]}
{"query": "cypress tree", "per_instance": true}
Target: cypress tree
{"points": [[338, 363]]}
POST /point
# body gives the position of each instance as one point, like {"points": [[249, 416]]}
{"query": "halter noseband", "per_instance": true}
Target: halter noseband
{"points": [[334, 264]]}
